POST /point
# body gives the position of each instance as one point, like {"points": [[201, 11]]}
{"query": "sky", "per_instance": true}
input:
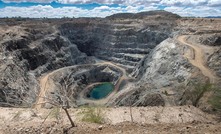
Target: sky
{"points": [[103, 8]]}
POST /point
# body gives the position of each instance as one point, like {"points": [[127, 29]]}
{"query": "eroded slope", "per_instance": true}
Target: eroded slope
{"points": [[143, 55]]}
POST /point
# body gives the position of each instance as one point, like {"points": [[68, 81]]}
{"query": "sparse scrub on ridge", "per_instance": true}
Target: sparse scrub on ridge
{"points": [[55, 113], [194, 92], [199, 90], [165, 93], [93, 115], [215, 100], [17, 115]]}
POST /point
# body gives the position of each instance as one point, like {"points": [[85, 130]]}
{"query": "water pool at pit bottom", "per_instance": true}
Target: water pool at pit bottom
{"points": [[101, 91]]}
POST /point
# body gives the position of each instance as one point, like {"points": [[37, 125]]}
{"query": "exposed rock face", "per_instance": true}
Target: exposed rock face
{"points": [[215, 62], [164, 69], [150, 65], [212, 40], [75, 79], [161, 66], [124, 42], [26, 53], [140, 97]]}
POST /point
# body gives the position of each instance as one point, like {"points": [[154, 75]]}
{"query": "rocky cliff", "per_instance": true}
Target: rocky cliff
{"points": [[119, 39], [28, 51], [143, 55]]}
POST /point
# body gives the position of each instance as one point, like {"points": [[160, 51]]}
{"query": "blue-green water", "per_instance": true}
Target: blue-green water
{"points": [[101, 91]]}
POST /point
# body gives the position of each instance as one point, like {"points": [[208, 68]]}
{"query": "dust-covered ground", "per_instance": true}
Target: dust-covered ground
{"points": [[185, 119]]}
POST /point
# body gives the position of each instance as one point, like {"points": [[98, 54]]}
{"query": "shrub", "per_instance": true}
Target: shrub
{"points": [[55, 113], [199, 90], [93, 115], [215, 100], [17, 115]]}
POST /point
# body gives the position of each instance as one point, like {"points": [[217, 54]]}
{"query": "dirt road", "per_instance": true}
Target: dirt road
{"points": [[45, 84], [197, 60], [41, 97]]}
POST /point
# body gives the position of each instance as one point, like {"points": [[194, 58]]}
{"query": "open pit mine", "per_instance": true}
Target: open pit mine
{"points": [[151, 58]]}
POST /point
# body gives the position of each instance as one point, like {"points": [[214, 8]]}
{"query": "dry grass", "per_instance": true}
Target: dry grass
{"points": [[93, 115]]}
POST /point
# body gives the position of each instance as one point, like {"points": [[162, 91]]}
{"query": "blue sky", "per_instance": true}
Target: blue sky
{"points": [[103, 8]]}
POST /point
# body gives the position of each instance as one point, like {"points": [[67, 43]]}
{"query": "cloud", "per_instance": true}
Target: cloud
{"points": [[184, 2], [131, 2], [35, 1], [102, 8], [121, 2], [91, 1], [50, 12], [197, 12], [196, 8], [214, 3]]}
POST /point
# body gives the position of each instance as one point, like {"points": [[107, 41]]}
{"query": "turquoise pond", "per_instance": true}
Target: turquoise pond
{"points": [[101, 91]]}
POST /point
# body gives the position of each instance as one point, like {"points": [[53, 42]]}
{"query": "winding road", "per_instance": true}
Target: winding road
{"points": [[198, 59], [41, 97], [45, 85]]}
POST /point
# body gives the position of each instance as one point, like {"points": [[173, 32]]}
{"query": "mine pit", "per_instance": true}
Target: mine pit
{"points": [[100, 91]]}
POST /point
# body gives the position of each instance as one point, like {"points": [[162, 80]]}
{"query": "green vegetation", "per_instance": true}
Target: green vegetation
{"points": [[215, 100], [93, 115], [165, 92], [17, 115], [55, 113], [199, 90]]}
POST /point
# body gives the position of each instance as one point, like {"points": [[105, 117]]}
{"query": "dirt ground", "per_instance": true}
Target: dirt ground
{"points": [[146, 120], [121, 128]]}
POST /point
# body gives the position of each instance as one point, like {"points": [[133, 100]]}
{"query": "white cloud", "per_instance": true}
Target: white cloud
{"points": [[123, 2], [182, 7], [50, 12], [37, 1], [197, 12], [214, 3], [191, 2], [102, 8], [184, 2], [132, 9], [132, 2]]}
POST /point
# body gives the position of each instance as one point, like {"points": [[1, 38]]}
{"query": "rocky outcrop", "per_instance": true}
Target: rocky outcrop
{"points": [[159, 74], [149, 63], [214, 62], [140, 97], [75, 80], [124, 42], [27, 53], [211, 39], [164, 66]]}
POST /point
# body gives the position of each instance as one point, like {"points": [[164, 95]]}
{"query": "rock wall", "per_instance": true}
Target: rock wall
{"points": [[122, 41], [159, 75], [74, 81], [26, 53], [144, 44], [214, 60]]}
